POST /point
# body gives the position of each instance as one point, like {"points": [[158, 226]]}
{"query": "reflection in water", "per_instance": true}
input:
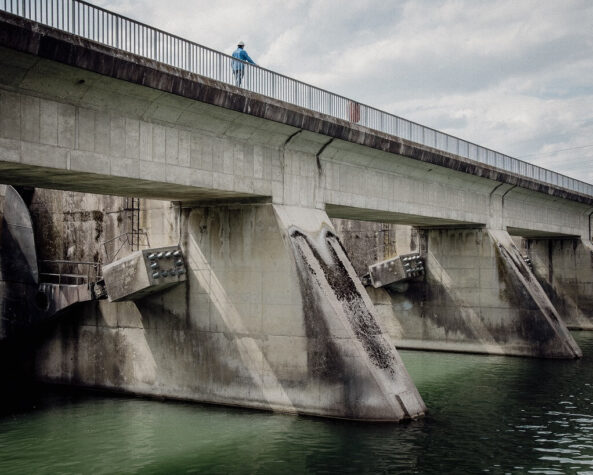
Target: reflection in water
{"points": [[487, 414]]}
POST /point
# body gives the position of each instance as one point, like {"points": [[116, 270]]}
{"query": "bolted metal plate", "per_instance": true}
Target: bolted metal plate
{"points": [[397, 269], [144, 272]]}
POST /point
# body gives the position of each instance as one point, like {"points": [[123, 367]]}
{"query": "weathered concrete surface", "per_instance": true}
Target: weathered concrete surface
{"points": [[368, 242], [564, 268], [478, 296], [87, 227], [25, 302], [79, 116], [29, 37], [272, 317], [60, 226], [51, 299]]}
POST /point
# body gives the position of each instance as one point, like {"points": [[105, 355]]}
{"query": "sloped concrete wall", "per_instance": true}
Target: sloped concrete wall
{"points": [[564, 268], [19, 273]]}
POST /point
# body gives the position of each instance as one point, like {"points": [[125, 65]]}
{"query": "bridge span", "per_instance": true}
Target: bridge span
{"points": [[273, 315]]}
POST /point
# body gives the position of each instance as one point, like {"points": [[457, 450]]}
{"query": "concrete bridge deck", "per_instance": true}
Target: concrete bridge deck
{"points": [[80, 115]]}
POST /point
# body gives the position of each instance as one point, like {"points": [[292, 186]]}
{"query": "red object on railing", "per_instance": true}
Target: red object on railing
{"points": [[354, 112]]}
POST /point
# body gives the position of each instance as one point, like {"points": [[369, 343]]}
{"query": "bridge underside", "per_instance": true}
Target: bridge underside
{"points": [[69, 180], [532, 233], [361, 214]]}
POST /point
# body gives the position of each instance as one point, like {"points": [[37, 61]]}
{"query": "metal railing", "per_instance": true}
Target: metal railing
{"points": [[100, 25], [63, 272], [129, 238]]}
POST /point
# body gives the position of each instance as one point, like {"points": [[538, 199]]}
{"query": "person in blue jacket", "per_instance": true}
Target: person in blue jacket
{"points": [[239, 66]]}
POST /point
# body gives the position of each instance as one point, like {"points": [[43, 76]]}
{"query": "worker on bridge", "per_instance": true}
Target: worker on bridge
{"points": [[239, 66]]}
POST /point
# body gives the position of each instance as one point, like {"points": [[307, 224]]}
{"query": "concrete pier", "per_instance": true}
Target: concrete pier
{"points": [[479, 296], [272, 317]]}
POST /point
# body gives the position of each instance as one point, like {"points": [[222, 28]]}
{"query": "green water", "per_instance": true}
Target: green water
{"points": [[487, 414]]}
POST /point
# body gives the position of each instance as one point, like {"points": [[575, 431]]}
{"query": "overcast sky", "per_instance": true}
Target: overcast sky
{"points": [[512, 75]]}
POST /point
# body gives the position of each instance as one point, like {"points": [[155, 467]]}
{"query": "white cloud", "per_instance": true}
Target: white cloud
{"points": [[513, 76]]}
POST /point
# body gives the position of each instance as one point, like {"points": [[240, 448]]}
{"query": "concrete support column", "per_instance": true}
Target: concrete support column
{"points": [[564, 268], [479, 296], [272, 317]]}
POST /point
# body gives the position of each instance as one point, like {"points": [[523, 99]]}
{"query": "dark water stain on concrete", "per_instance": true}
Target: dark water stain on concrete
{"points": [[359, 316], [531, 326], [563, 286], [323, 357], [442, 309], [98, 219]]}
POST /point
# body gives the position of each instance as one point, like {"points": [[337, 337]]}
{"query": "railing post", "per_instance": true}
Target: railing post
{"points": [[73, 15]]}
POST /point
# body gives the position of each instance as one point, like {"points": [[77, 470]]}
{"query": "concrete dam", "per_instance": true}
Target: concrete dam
{"points": [[169, 234]]}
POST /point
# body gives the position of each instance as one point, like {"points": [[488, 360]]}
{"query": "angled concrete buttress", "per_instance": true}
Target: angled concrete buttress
{"points": [[339, 319], [24, 301], [564, 268], [19, 276], [480, 296], [271, 317]]}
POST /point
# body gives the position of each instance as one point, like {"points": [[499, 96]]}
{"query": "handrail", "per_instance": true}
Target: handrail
{"points": [[124, 238], [91, 272], [98, 24]]}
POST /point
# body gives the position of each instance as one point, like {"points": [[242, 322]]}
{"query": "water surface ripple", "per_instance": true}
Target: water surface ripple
{"points": [[487, 415]]}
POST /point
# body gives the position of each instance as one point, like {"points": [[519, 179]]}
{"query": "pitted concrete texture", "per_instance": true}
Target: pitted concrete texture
{"points": [[564, 268], [266, 320], [79, 116], [366, 242]]}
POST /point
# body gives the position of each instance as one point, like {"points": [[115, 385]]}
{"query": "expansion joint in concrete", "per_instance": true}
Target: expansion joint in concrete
{"points": [[494, 189], [319, 152], [288, 140], [507, 192]]}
